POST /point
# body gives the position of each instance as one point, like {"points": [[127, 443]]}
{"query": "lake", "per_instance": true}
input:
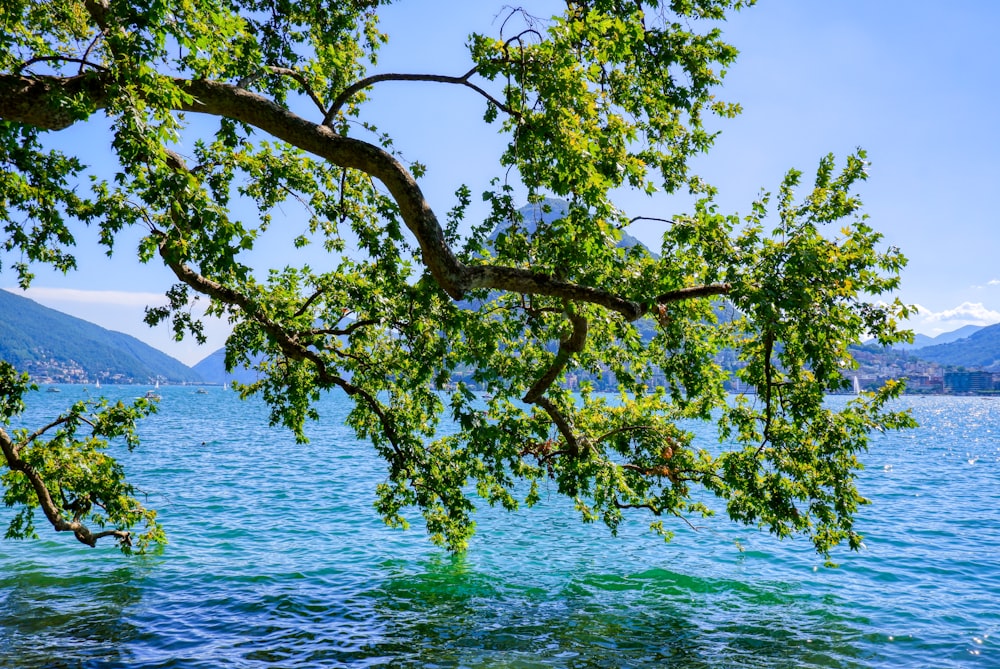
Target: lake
{"points": [[277, 559]]}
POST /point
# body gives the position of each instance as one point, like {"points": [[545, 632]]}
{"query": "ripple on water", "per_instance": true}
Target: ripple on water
{"points": [[281, 562]]}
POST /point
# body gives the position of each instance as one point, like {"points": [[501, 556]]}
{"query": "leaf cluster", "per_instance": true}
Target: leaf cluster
{"points": [[409, 316], [64, 469]]}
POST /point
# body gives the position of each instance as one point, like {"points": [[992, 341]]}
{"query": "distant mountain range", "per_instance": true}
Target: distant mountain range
{"points": [[212, 369], [923, 341], [981, 349], [55, 347]]}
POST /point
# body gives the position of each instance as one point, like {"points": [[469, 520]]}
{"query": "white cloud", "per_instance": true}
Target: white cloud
{"points": [[933, 323], [108, 297], [993, 282]]}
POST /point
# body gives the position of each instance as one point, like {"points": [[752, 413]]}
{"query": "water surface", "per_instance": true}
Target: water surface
{"points": [[277, 559]]}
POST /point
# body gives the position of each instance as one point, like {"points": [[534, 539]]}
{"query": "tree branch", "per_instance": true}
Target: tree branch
{"points": [[361, 84], [576, 446], [575, 343], [53, 511], [287, 341], [693, 292], [338, 332], [60, 59], [98, 10], [30, 100], [656, 511], [288, 72], [59, 421]]}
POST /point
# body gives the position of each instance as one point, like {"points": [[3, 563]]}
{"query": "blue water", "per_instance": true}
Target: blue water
{"points": [[277, 559]]}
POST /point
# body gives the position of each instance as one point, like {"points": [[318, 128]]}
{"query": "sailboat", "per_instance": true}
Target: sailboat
{"points": [[152, 394]]}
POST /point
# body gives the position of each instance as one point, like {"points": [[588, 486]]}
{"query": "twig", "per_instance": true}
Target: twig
{"points": [[361, 84]]}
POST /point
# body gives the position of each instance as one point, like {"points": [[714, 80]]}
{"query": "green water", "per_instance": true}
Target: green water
{"points": [[277, 559]]}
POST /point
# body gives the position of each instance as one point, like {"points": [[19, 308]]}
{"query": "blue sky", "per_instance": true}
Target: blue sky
{"points": [[915, 83]]}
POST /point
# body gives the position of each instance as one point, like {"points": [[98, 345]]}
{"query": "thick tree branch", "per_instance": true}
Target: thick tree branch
{"points": [[575, 343], [53, 511], [35, 101], [98, 10]]}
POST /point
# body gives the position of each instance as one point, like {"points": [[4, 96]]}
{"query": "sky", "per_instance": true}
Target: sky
{"points": [[913, 82]]}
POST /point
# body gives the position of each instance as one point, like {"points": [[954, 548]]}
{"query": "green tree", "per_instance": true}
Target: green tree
{"points": [[605, 97]]}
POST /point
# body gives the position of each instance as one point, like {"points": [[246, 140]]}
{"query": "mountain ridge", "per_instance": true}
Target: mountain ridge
{"points": [[981, 350], [922, 341], [55, 347]]}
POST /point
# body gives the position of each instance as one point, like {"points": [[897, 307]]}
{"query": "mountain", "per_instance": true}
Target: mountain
{"points": [[213, 370], [922, 341], [55, 347], [980, 349]]}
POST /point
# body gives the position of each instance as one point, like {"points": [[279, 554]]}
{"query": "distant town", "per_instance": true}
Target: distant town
{"points": [[922, 377], [51, 371]]}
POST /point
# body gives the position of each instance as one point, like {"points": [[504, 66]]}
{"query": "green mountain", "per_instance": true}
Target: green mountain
{"points": [[55, 347], [981, 349]]}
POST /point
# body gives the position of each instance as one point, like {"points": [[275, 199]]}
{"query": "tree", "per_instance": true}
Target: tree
{"points": [[605, 97]]}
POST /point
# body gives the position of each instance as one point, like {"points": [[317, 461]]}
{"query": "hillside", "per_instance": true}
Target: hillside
{"points": [[923, 341], [55, 347], [980, 350]]}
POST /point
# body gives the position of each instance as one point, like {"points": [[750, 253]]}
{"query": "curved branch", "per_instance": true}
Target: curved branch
{"points": [[48, 505], [575, 343], [61, 59], [289, 343], [90, 47], [361, 84], [36, 101], [693, 292], [57, 422], [294, 74], [648, 218], [655, 510], [305, 305], [576, 445]]}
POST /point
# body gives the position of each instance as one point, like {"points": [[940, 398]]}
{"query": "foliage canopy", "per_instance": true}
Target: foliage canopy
{"points": [[411, 304]]}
